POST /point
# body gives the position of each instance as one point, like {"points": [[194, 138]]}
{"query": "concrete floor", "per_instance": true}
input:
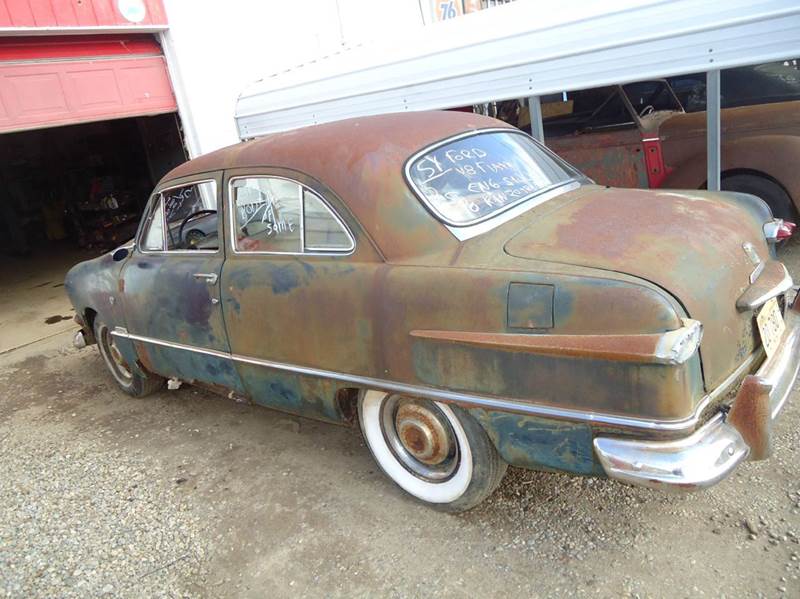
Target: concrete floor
{"points": [[33, 305]]}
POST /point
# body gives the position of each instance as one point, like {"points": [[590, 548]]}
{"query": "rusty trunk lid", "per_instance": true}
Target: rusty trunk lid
{"points": [[688, 243]]}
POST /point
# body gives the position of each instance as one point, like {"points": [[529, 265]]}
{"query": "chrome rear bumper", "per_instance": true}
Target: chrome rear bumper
{"points": [[714, 450]]}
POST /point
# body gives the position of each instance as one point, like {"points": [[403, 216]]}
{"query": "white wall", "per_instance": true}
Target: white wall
{"points": [[214, 49]]}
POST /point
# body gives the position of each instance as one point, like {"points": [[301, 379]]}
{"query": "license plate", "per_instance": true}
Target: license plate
{"points": [[770, 326]]}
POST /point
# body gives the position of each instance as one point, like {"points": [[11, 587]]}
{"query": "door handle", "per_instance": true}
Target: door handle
{"points": [[210, 277]]}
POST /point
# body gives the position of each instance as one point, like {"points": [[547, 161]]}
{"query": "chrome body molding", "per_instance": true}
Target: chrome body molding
{"points": [[675, 347], [714, 450], [666, 426]]}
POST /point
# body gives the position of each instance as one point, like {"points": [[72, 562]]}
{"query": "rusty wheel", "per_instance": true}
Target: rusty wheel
{"points": [[116, 364], [129, 380], [420, 436], [435, 452]]}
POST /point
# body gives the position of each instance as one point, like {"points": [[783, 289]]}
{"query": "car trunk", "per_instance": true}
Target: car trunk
{"points": [[688, 243]]}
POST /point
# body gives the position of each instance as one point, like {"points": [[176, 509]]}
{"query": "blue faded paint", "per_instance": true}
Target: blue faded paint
{"points": [[191, 366], [305, 396], [540, 444], [284, 279]]}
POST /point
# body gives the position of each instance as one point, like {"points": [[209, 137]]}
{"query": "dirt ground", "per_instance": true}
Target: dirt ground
{"points": [[189, 494]]}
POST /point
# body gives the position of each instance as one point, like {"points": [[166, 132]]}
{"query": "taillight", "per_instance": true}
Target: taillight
{"points": [[785, 230], [778, 229]]}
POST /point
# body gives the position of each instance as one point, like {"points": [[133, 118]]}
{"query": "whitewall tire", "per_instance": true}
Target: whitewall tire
{"points": [[435, 452]]}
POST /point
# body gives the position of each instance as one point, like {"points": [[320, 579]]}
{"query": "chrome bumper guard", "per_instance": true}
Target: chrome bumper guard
{"points": [[714, 450]]}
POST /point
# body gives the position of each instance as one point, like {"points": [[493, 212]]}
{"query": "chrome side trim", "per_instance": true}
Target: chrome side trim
{"points": [[678, 425]]}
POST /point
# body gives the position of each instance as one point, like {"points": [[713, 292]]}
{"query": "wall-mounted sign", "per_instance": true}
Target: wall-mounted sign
{"points": [[442, 10], [133, 10]]}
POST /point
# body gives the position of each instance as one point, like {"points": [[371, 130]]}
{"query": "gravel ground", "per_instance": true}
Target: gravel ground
{"points": [[186, 494]]}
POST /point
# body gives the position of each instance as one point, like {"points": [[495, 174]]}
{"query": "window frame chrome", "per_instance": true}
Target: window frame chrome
{"points": [[160, 198], [303, 188], [464, 231]]}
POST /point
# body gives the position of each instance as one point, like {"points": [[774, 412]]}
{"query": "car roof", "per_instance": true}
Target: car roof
{"points": [[361, 160]]}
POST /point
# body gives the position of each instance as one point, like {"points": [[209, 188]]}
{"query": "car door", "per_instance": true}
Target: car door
{"points": [[298, 290], [595, 130], [171, 284]]}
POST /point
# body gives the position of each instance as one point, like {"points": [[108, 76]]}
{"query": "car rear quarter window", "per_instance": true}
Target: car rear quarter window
{"points": [[280, 216], [472, 178]]}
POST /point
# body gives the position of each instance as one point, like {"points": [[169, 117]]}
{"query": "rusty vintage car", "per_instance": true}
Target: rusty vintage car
{"points": [[638, 135], [467, 296]]}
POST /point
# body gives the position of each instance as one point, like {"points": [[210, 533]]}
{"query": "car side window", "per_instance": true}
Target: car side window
{"points": [[322, 229], [153, 238], [277, 215], [184, 219]]}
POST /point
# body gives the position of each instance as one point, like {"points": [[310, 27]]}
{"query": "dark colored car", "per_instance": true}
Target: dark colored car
{"points": [[467, 296]]}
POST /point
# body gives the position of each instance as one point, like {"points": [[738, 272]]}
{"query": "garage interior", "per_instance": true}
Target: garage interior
{"points": [[67, 194], [88, 125]]}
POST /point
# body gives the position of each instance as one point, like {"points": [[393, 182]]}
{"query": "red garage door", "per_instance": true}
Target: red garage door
{"points": [[47, 81]]}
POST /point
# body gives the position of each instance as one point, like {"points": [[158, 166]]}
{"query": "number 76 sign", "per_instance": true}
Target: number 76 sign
{"points": [[449, 9]]}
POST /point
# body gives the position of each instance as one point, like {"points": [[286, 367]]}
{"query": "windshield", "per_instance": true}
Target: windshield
{"points": [[472, 178]]}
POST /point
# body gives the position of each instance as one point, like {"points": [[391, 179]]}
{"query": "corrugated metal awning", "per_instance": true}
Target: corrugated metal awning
{"points": [[520, 50]]}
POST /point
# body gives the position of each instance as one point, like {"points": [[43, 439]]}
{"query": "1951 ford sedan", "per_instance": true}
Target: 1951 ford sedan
{"points": [[467, 296]]}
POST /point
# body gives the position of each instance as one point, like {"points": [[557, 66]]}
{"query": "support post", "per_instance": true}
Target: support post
{"points": [[190, 137], [535, 109], [713, 129]]}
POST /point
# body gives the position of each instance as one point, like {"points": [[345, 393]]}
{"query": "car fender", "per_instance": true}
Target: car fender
{"points": [[773, 155]]}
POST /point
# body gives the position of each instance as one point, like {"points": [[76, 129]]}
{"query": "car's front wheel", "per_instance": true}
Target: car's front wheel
{"points": [[126, 377], [435, 452]]}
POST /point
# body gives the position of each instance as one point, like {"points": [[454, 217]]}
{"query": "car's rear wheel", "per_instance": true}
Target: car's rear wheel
{"points": [[126, 377], [768, 190], [437, 453]]}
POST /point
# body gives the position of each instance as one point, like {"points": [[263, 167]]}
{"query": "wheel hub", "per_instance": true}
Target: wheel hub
{"points": [[422, 434]]}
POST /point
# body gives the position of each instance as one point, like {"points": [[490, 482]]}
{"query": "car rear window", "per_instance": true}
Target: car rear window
{"points": [[474, 177]]}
